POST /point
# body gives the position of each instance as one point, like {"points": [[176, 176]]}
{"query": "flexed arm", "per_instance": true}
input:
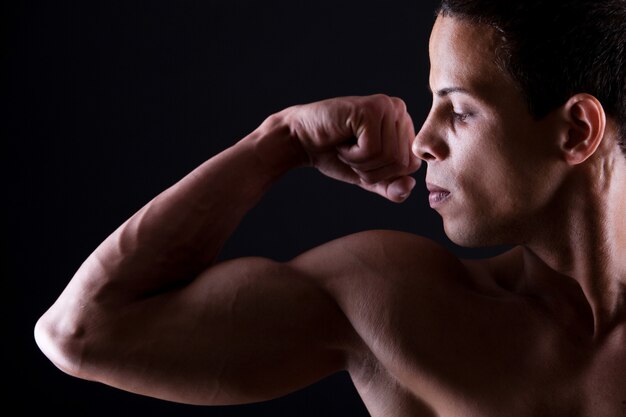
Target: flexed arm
{"points": [[149, 311]]}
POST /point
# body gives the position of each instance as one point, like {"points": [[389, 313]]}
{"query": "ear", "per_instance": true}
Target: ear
{"points": [[586, 122]]}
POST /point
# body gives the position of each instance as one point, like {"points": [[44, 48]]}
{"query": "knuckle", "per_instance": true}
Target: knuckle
{"points": [[380, 97], [379, 102], [399, 104]]}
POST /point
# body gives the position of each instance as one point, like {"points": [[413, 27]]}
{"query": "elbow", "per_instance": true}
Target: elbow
{"points": [[63, 345]]}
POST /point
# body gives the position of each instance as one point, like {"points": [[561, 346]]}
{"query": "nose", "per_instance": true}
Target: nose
{"points": [[429, 144]]}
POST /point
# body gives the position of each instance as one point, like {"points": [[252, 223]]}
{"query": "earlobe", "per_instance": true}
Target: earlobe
{"points": [[586, 121]]}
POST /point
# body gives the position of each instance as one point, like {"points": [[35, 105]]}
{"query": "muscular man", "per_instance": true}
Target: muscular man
{"points": [[524, 146]]}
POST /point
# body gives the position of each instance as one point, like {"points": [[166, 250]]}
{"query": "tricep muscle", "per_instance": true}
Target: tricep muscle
{"points": [[245, 330]]}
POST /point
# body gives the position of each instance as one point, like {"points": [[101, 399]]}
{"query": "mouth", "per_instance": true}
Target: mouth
{"points": [[437, 195]]}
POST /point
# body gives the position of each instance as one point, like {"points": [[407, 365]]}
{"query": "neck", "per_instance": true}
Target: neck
{"points": [[588, 240]]}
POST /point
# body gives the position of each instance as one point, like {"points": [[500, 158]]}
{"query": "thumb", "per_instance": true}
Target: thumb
{"points": [[396, 190]]}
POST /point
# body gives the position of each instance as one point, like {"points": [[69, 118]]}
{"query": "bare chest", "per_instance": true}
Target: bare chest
{"points": [[511, 365], [543, 386]]}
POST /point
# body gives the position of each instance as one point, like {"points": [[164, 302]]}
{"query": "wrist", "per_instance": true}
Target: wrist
{"points": [[276, 145]]}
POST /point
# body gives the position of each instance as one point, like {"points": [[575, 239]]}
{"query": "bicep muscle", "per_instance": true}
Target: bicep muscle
{"points": [[244, 330]]}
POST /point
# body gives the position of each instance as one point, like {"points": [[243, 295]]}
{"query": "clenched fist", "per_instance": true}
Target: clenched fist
{"points": [[360, 140]]}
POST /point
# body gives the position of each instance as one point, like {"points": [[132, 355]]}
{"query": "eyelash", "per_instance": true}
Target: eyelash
{"points": [[460, 117]]}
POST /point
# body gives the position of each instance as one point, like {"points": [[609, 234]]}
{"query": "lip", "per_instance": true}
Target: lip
{"points": [[437, 195]]}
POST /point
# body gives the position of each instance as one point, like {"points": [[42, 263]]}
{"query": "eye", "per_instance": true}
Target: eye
{"points": [[460, 117]]}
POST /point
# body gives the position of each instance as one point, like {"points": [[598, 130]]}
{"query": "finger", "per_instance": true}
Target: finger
{"points": [[399, 189], [390, 140], [365, 166], [407, 134], [396, 190], [372, 177], [333, 167], [374, 150], [397, 158], [368, 143], [392, 162]]}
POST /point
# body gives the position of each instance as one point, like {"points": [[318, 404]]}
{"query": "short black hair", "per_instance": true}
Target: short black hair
{"points": [[554, 49]]}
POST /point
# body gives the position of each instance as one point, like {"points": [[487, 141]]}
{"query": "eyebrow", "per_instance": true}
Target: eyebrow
{"points": [[450, 90]]}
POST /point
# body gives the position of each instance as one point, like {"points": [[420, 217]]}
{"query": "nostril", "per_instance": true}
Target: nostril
{"points": [[420, 152], [430, 148], [426, 156]]}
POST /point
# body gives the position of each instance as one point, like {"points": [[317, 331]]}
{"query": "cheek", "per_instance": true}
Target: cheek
{"points": [[499, 185], [480, 163], [487, 179]]}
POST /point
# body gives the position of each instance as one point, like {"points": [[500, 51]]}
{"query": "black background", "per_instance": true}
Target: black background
{"points": [[105, 104]]}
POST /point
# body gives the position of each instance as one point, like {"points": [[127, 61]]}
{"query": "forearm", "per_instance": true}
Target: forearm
{"points": [[153, 281], [180, 232]]}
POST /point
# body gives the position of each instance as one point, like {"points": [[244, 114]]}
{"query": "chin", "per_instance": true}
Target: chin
{"points": [[473, 235]]}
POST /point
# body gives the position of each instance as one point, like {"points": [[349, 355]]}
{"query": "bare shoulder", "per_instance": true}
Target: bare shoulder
{"points": [[388, 258], [394, 286], [383, 279], [426, 321], [379, 247]]}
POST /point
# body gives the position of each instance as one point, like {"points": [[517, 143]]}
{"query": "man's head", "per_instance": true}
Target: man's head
{"points": [[517, 109], [554, 49]]}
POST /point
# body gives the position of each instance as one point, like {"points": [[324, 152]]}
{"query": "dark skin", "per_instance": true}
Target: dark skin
{"points": [[537, 331]]}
